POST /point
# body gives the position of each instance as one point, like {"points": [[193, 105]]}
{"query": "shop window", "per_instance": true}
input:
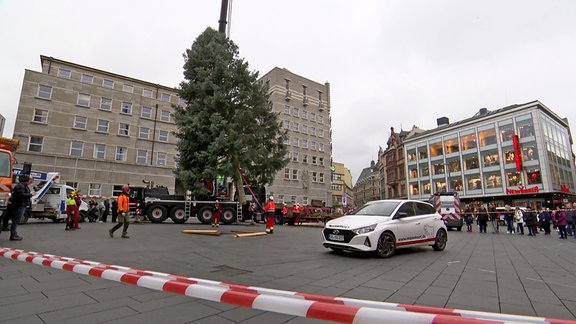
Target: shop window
{"points": [[468, 142], [424, 170], [492, 180], [490, 158], [506, 132], [530, 152], [440, 186], [473, 182], [454, 165], [413, 173], [451, 146], [426, 187], [422, 152], [455, 184], [514, 178], [414, 189], [471, 162], [436, 149], [534, 176], [509, 155], [412, 155], [438, 168], [525, 128], [487, 137]]}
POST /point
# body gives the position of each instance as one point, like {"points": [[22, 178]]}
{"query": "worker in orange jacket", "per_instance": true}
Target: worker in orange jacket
{"points": [[123, 213], [269, 211]]}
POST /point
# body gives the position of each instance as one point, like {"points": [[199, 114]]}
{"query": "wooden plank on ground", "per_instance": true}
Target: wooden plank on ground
{"points": [[202, 232], [250, 234]]}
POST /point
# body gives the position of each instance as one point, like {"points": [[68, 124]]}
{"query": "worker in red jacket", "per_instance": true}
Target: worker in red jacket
{"points": [[296, 213], [269, 211]]}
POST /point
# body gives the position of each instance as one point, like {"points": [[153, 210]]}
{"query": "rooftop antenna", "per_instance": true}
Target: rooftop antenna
{"points": [[223, 16]]}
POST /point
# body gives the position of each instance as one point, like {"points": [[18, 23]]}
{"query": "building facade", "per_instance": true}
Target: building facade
{"points": [[98, 129], [304, 110], [342, 194], [517, 155], [367, 187]]}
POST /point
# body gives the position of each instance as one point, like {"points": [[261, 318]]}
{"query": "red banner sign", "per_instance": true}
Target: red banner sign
{"points": [[564, 188], [517, 152], [522, 190]]}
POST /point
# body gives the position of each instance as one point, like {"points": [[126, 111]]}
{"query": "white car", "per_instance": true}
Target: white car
{"points": [[386, 225]]}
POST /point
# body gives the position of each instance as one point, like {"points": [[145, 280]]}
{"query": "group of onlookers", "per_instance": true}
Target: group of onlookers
{"points": [[516, 219]]}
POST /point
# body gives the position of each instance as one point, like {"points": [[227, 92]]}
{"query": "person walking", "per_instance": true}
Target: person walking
{"points": [[468, 219], [114, 210], [284, 214], [519, 221], [269, 211], [216, 213], [20, 200], [70, 211], [509, 217], [570, 220], [78, 201], [123, 213], [546, 219], [494, 217], [560, 220]]}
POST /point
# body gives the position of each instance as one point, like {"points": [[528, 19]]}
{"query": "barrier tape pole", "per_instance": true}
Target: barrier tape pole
{"points": [[326, 307]]}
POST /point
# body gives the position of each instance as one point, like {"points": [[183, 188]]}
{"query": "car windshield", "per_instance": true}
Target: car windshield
{"points": [[380, 208]]}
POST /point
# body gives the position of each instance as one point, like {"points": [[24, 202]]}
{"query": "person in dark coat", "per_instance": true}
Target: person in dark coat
{"points": [[114, 210], [531, 221], [106, 211], [21, 200], [482, 216]]}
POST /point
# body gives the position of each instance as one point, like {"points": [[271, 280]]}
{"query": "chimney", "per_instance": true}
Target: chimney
{"points": [[483, 111], [442, 121]]}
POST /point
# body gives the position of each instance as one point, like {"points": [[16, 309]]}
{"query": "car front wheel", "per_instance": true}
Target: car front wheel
{"points": [[441, 239], [386, 245]]}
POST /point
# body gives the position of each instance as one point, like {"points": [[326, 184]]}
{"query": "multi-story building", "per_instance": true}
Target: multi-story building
{"points": [[367, 187], [304, 110], [516, 155], [100, 130], [342, 194]]}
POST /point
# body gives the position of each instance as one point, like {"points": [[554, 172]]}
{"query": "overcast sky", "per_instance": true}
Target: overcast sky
{"points": [[389, 63]]}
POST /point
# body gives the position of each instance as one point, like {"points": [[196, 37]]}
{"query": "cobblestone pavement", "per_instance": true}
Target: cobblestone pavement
{"points": [[500, 273]]}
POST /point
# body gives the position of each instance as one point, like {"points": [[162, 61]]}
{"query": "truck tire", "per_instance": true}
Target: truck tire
{"points": [[178, 214], [228, 215], [205, 214], [25, 217], [157, 213]]}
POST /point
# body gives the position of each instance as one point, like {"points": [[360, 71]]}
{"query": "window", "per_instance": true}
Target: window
{"points": [[313, 145], [295, 141], [99, 151], [121, 153], [413, 172], [146, 112], [321, 161], [470, 162], [295, 112], [530, 151], [295, 127], [294, 174], [294, 157], [147, 93], [35, 144], [163, 136], [422, 152], [287, 84], [95, 189], [525, 127], [451, 145], [492, 180], [468, 142], [487, 137], [286, 109], [108, 84], [514, 178], [44, 92], [320, 119], [126, 108], [506, 131], [320, 133], [314, 160], [144, 133], [424, 170], [304, 114], [453, 165], [455, 184], [40, 116], [508, 153], [534, 176], [66, 74], [141, 156], [182, 101], [76, 148], [83, 100], [102, 126], [86, 78], [313, 131], [165, 116], [412, 155], [426, 187], [106, 104], [304, 143], [440, 186], [490, 158], [321, 147], [286, 124], [314, 176], [414, 189], [438, 168], [80, 122], [286, 174], [287, 140], [321, 177], [436, 149], [165, 97], [312, 117], [473, 182], [123, 129], [161, 159], [128, 88], [304, 158]]}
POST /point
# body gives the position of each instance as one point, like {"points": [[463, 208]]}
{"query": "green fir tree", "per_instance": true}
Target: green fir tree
{"points": [[227, 126]]}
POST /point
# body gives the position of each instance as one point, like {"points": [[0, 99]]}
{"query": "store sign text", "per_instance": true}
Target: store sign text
{"points": [[522, 190]]}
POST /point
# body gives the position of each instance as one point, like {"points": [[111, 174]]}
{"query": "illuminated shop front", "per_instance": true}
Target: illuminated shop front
{"points": [[517, 155]]}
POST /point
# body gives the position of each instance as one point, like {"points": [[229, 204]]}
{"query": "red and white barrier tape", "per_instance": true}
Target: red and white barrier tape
{"points": [[337, 309]]}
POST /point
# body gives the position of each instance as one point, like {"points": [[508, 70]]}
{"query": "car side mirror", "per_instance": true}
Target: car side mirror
{"points": [[400, 215]]}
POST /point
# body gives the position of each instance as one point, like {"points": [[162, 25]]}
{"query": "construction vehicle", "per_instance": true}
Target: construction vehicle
{"points": [[49, 199], [160, 205], [448, 206], [8, 148]]}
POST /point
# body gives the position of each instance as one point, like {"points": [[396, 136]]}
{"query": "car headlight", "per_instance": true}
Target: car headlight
{"points": [[364, 230]]}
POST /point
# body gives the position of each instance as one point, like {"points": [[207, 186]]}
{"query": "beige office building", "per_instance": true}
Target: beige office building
{"points": [[100, 130], [304, 110]]}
